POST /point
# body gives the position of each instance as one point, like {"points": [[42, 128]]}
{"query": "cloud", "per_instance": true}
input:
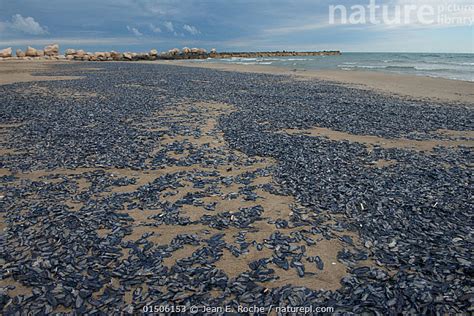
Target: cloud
{"points": [[169, 26], [77, 41], [191, 29], [159, 7], [296, 28], [154, 29], [172, 10], [26, 25], [134, 30]]}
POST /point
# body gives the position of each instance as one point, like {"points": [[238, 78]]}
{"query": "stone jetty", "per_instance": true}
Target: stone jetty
{"points": [[215, 54], [52, 52]]}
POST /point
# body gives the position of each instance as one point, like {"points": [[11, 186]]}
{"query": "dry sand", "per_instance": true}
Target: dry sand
{"points": [[21, 71]]}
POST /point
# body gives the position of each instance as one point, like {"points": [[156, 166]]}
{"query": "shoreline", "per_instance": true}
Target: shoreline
{"points": [[411, 86], [406, 86]]}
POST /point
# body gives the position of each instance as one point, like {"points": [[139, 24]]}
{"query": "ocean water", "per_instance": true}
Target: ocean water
{"points": [[450, 66]]}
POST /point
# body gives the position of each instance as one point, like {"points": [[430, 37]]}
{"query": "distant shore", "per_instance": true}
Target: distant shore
{"points": [[417, 87]]}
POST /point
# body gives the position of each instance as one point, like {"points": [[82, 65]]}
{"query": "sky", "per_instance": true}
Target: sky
{"points": [[234, 25]]}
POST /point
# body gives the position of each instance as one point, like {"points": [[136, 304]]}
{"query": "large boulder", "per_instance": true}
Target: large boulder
{"points": [[70, 51], [127, 56], [213, 51], [80, 53], [20, 53], [142, 56], [186, 50], [89, 56], [173, 52], [51, 50], [6, 52], [115, 55], [31, 52], [153, 52], [100, 56]]}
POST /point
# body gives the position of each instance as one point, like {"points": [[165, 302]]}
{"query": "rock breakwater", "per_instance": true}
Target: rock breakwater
{"points": [[52, 52]]}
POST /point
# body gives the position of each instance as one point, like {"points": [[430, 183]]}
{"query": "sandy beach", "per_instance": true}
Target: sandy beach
{"points": [[135, 183], [21, 71], [418, 87]]}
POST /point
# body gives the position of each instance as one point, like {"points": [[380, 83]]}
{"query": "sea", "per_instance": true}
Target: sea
{"points": [[450, 66]]}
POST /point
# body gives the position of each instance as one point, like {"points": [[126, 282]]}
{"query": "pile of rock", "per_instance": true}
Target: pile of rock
{"points": [[52, 52], [72, 54], [6, 52], [272, 54], [33, 52], [49, 52], [152, 55], [185, 53]]}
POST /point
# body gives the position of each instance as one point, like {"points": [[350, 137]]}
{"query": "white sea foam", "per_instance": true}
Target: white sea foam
{"points": [[452, 66]]}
